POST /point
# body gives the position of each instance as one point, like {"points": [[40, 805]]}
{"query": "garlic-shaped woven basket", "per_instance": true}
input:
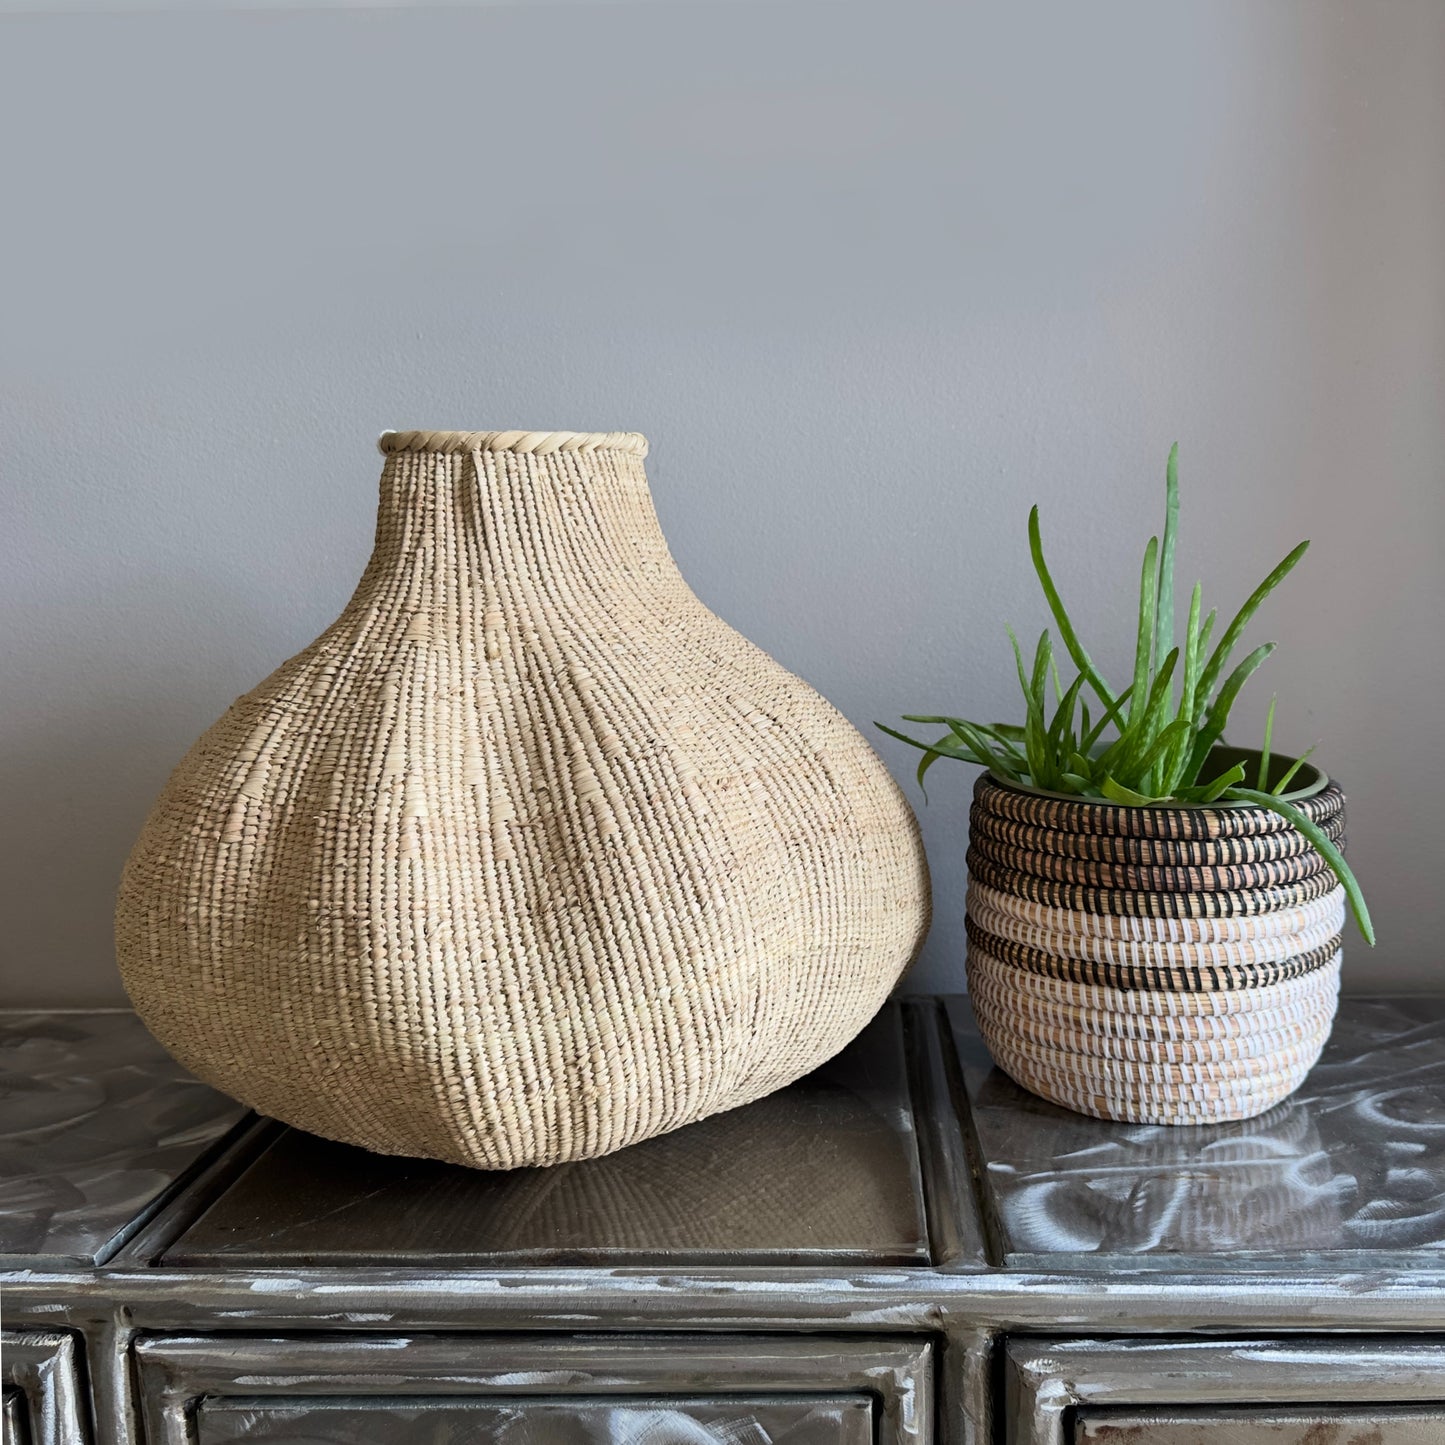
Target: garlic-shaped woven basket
{"points": [[529, 856]]}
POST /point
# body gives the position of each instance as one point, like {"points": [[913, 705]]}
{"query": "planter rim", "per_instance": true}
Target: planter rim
{"points": [[1320, 781]]}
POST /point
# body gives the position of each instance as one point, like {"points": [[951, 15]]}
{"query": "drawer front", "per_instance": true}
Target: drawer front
{"points": [[14, 1426], [841, 1420], [567, 1390], [1383, 1426], [1335, 1391], [42, 1402]]}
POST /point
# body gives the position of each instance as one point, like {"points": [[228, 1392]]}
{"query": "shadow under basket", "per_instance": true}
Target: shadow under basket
{"points": [[1160, 964]]}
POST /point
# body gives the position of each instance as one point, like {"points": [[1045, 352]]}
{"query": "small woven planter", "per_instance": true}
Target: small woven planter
{"points": [[1155, 965]]}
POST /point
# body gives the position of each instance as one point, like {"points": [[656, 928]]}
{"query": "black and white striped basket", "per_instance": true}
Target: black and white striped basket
{"points": [[1162, 964]]}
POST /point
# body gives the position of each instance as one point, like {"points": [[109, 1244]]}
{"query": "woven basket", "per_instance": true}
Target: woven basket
{"points": [[529, 856], [1155, 965]]}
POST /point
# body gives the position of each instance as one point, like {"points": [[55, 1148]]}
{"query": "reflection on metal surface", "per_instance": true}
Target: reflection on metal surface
{"points": [[42, 1391], [96, 1120], [1298, 1391], [1354, 1161], [675, 1422], [1380, 1425], [826, 1168], [13, 1427], [593, 1389]]}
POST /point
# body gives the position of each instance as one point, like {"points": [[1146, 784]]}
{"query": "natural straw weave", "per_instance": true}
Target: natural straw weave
{"points": [[529, 856], [1159, 965]]}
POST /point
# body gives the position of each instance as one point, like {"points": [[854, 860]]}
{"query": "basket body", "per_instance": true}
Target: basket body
{"points": [[529, 856], [1152, 964]]}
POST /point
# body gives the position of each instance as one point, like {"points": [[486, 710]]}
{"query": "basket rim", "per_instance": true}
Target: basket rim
{"points": [[539, 443], [1320, 780]]}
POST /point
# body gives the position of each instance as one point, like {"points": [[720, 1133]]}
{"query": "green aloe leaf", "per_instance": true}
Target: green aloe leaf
{"points": [[1144, 643], [1322, 844], [1005, 732], [1004, 758], [1118, 793], [1043, 660], [948, 747], [1289, 775], [1268, 739], [1157, 707], [1117, 751], [1224, 781], [1164, 606], [1005, 744], [1156, 750], [1220, 657], [1019, 663], [1034, 684], [1178, 756], [1005, 765], [1071, 642], [1194, 716], [1111, 715], [1217, 718], [1189, 678], [924, 763], [1223, 704], [1063, 719]]}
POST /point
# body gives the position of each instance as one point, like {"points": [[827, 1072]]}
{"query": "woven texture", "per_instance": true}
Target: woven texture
{"points": [[529, 856], [1152, 965]]}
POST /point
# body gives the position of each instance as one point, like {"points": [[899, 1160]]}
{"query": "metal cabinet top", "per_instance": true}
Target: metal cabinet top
{"points": [[908, 1151], [826, 1171], [97, 1125], [1350, 1170]]}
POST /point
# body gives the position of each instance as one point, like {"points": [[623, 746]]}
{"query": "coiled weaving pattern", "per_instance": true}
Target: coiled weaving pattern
{"points": [[1157, 965]]}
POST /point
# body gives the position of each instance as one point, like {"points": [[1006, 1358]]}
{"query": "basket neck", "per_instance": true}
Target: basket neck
{"points": [[466, 517]]}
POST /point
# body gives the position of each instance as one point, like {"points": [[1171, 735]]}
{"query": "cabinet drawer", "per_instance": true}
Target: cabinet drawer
{"points": [[837, 1420], [530, 1390], [1383, 1425], [41, 1389], [1336, 1391]]}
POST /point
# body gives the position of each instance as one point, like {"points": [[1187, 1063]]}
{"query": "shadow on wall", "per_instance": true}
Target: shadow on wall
{"points": [[79, 785]]}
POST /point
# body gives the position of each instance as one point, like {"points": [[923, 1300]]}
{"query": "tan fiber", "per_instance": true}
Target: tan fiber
{"points": [[529, 856], [1160, 965]]}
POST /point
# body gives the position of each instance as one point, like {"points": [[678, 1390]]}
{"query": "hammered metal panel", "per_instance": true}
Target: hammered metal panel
{"points": [[693, 1389], [1191, 1390], [96, 1122], [40, 1376], [1354, 1163], [817, 1421], [1266, 1427], [827, 1169], [13, 1427]]}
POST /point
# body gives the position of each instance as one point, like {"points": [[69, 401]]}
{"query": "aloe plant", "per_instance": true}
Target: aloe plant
{"points": [[1155, 740]]}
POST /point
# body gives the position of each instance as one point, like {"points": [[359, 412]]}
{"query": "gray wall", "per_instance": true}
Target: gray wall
{"points": [[872, 278]]}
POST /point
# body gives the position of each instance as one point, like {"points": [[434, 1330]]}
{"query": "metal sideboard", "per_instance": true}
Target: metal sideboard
{"points": [[903, 1248]]}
